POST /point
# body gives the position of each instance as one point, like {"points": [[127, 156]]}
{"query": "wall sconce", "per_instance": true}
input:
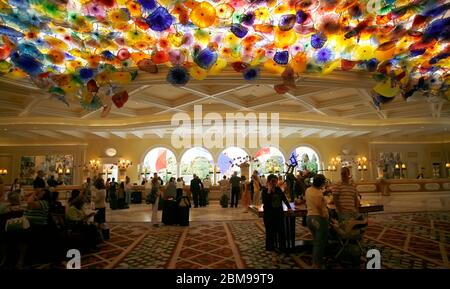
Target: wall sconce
{"points": [[60, 171], [403, 167], [68, 171], [3, 172], [397, 166]]}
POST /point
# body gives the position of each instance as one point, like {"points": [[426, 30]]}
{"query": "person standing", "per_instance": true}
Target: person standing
{"points": [[112, 192], [99, 198], [128, 189], [235, 183], [39, 182], [224, 187], [196, 186], [345, 196], [245, 188], [180, 187], [206, 188], [52, 183], [156, 192], [263, 182], [256, 189], [273, 197], [317, 218]]}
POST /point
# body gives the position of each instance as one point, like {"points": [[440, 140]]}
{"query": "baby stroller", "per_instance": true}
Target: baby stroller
{"points": [[345, 245]]}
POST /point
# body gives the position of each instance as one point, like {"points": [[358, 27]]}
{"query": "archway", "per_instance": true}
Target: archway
{"points": [[159, 160], [269, 160], [230, 160], [306, 158], [197, 161]]}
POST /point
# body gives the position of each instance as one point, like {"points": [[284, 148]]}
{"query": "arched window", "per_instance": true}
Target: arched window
{"points": [[229, 161], [307, 159], [269, 160], [197, 161], [162, 161]]}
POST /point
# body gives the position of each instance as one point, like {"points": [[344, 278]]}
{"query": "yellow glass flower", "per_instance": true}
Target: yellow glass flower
{"points": [[203, 15], [220, 64], [284, 38], [121, 77], [197, 72], [56, 43], [176, 39], [272, 67], [386, 89], [298, 63], [364, 52], [224, 11]]}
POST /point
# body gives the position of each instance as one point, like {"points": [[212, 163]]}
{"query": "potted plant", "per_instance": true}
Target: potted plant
{"points": [[224, 201]]}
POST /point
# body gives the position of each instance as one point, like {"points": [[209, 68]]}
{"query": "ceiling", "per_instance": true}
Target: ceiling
{"points": [[335, 105]]}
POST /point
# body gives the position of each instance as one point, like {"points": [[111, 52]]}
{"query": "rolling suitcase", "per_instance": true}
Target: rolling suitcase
{"points": [[169, 213]]}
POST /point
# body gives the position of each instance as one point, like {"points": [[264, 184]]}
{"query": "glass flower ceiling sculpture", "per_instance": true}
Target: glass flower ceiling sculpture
{"points": [[90, 48]]}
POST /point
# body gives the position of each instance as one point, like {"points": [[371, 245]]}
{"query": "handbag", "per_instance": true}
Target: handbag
{"points": [[17, 224]]}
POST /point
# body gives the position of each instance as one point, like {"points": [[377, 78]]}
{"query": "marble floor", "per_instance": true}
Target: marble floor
{"points": [[400, 202]]}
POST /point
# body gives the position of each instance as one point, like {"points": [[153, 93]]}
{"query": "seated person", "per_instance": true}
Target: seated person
{"points": [[346, 197], [38, 208], [77, 220]]}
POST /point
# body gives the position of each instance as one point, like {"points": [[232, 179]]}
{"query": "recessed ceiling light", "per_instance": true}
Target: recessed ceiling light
{"points": [[5, 129]]}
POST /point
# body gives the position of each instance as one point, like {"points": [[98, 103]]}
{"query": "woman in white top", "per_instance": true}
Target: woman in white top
{"points": [[206, 187], [317, 218], [155, 190], [180, 187]]}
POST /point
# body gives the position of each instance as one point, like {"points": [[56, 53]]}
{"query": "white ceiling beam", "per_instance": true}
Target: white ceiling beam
{"points": [[101, 134], [287, 131], [325, 133], [358, 133], [138, 134], [47, 133], [73, 133], [336, 102], [31, 105], [309, 132], [122, 135], [381, 114], [341, 133], [216, 96], [124, 111], [22, 134], [88, 114], [382, 132]]}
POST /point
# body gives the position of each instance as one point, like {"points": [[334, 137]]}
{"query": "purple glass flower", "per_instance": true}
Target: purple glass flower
{"points": [[86, 73], [160, 19], [147, 4], [301, 16], [324, 55], [281, 57], [239, 30], [286, 22], [318, 40], [251, 74], [248, 18]]}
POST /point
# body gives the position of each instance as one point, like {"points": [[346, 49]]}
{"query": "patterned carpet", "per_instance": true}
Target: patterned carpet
{"points": [[406, 240]]}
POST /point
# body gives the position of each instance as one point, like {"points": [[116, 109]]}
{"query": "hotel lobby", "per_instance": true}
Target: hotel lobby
{"points": [[126, 89]]}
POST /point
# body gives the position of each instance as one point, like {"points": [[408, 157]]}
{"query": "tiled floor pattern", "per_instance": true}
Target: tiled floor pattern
{"points": [[405, 240]]}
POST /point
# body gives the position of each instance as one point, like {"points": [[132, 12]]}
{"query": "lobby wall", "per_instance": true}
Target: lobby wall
{"points": [[420, 154]]}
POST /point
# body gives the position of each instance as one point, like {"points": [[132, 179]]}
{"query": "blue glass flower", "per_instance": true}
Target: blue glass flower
{"points": [[147, 4], [23, 4], [159, 20], [251, 74], [301, 16], [324, 55], [30, 49], [371, 64], [287, 21], [178, 75], [205, 58], [318, 40], [27, 63], [8, 31], [239, 30], [437, 29], [248, 18], [281, 57], [439, 57], [86, 73], [108, 55], [436, 11]]}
